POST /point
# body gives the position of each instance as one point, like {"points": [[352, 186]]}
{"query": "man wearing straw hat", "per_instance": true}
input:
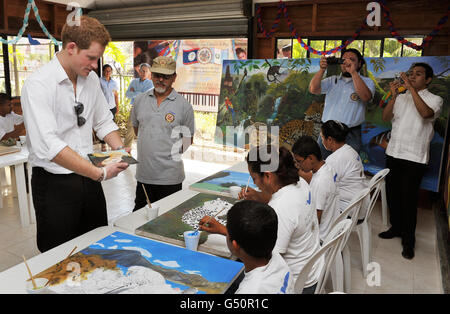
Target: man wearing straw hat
{"points": [[62, 103], [164, 123]]}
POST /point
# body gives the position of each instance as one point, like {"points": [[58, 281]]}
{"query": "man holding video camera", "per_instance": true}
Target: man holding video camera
{"points": [[346, 94]]}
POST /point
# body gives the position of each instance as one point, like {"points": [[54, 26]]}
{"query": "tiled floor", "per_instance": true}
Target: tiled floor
{"points": [[397, 275]]}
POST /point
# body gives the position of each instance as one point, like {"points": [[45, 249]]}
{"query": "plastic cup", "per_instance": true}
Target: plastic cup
{"points": [[234, 191], [40, 286], [191, 239], [151, 212], [23, 139]]}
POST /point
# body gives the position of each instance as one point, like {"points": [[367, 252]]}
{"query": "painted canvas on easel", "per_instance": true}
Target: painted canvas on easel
{"points": [[123, 263], [220, 182], [170, 226]]}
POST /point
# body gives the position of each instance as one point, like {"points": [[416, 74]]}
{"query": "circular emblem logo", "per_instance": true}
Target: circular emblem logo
{"points": [[191, 56], [205, 55], [170, 117], [354, 97]]}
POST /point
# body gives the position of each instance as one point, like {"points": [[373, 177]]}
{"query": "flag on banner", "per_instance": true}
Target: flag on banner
{"points": [[190, 56]]}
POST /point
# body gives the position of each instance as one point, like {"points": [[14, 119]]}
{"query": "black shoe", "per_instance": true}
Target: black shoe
{"points": [[388, 234], [408, 252]]}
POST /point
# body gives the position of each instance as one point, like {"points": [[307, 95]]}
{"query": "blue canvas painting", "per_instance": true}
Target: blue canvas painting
{"points": [[124, 263]]}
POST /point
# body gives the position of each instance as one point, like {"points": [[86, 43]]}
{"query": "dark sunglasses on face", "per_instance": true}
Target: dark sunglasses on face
{"points": [[163, 76], [79, 110]]}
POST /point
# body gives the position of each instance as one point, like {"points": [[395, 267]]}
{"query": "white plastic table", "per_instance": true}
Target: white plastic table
{"points": [[18, 160]]}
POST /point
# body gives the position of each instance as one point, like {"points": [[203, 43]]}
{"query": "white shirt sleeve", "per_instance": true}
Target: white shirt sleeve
{"points": [[40, 121], [18, 119]]}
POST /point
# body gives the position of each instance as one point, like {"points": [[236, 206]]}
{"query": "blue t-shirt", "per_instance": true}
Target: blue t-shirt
{"points": [[108, 88], [139, 87], [341, 101]]}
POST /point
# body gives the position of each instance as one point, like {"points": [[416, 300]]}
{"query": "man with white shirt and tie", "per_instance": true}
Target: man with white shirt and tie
{"points": [[62, 103]]}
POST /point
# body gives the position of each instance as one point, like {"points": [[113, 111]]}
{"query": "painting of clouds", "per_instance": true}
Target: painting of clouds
{"points": [[126, 264]]}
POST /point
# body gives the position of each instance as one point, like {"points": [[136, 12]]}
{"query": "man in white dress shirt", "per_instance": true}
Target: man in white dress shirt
{"points": [[412, 114], [62, 103]]}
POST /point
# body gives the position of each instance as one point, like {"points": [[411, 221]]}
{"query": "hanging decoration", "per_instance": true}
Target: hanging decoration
{"points": [[30, 5], [402, 40], [33, 41]]}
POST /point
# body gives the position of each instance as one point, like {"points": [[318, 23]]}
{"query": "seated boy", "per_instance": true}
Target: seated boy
{"points": [[325, 195], [251, 233], [11, 124]]}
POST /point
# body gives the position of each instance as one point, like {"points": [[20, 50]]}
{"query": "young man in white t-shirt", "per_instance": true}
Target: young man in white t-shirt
{"points": [[412, 114], [325, 194], [11, 124], [251, 233]]}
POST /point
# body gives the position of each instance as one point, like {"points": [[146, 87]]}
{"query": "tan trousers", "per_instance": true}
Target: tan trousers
{"points": [[129, 136]]}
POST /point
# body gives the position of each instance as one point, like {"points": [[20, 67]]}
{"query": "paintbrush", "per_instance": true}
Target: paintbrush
{"points": [[29, 272], [51, 277], [146, 196], [246, 187], [209, 219]]}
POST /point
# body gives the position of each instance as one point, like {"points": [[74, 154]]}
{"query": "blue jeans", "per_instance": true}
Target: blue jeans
{"points": [[353, 139]]}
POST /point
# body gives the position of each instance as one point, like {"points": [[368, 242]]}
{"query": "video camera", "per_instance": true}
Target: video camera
{"points": [[334, 60]]}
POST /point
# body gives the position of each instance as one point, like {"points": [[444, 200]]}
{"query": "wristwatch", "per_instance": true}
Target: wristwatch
{"points": [[103, 175]]}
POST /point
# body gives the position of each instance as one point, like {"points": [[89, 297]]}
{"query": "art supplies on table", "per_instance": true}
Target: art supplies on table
{"points": [[220, 183], [125, 263], [102, 159], [170, 226]]}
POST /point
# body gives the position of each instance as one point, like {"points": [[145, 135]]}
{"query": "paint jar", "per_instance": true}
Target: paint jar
{"points": [[151, 212], [23, 140], [191, 239], [40, 286]]}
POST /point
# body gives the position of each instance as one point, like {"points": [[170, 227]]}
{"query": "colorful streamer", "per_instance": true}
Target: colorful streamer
{"points": [[386, 14], [30, 5]]}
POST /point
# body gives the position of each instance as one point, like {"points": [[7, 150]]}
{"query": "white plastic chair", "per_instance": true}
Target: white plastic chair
{"points": [[341, 270], [384, 206], [328, 251], [363, 229]]}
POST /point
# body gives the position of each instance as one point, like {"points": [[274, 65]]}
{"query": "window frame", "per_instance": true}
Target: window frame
{"points": [[342, 40]]}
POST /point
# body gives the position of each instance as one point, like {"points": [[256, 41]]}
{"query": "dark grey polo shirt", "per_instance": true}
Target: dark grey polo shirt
{"points": [[160, 132]]}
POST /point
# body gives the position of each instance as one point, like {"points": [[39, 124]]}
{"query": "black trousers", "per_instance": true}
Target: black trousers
{"points": [[155, 193], [66, 205], [402, 192]]}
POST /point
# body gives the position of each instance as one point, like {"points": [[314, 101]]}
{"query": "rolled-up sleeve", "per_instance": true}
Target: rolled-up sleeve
{"points": [[40, 121]]}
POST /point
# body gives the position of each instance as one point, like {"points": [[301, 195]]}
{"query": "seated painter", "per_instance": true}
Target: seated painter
{"points": [[251, 233], [11, 124]]}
